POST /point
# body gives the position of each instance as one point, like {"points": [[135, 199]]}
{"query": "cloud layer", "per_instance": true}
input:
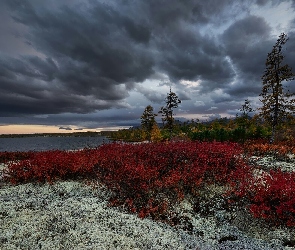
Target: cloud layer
{"points": [[97, 63]]}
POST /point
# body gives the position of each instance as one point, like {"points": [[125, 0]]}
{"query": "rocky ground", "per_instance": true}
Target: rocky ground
{"points": [[73, 215]]}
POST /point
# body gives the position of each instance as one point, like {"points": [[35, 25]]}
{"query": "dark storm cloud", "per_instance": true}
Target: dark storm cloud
{"points": [[79, 57], [100, 37], [183, 52], [262, 3], [289, 53], [150, 94], [65, 128], [247, 43], [90, 120], [192, 57], [95, 52], [38, 88], [244, 35]]}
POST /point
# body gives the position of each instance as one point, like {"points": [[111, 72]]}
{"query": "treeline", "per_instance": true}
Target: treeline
{"points": [[274, 120], [224, 129], [219, 130]]}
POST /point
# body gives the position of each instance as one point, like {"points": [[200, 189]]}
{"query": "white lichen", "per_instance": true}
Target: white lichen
{"points": [[73, 215], [270, 162]]}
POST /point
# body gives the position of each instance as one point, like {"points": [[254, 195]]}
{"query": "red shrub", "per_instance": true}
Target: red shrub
{"points": [[13, 156], [270, 196], [50, 165], [139, 172], [143, 176], [260, 148]]}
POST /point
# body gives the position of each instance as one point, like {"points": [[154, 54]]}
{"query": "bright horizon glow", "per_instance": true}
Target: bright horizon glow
{"points": [[35, 129]]}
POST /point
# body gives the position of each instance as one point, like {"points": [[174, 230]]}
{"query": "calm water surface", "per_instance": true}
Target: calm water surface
{"points": [[50, 143]]}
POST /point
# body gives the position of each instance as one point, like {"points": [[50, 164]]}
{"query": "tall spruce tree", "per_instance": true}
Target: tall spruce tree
{"points": [[172, 102], [278, 104], [148, 120]]}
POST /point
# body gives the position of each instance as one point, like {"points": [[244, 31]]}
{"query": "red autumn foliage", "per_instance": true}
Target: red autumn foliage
{"points": [[147, 178], [269, 195], [52, 165], [261, 148], [13, 156], [141, 175], [138, 173]]}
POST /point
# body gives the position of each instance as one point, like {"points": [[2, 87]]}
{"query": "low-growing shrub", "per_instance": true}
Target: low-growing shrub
{"points": [[52, 165], [143, 176], [147, 178], [261, 148], [268, 195], [13, 156]]}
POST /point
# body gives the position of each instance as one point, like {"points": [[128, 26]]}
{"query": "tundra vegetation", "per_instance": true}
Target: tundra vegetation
{"points": [[221, 180], [184, 161]]}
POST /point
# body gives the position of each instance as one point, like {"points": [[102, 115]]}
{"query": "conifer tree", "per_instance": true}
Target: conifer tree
{"points": [[246, 108], [172, 102], [148, 120], [277, 101], [243, 119]]}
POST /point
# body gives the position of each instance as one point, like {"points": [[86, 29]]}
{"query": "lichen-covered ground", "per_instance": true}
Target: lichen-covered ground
{"points": [[73, 215]]}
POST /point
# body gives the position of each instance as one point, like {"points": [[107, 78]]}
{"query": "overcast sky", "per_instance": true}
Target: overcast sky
{"points": [[94, 64]]}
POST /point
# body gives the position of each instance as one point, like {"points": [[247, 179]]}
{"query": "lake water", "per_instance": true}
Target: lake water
{"points": [[50, 143]]}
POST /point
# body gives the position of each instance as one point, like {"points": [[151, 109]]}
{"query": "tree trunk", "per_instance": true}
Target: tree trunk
{"points": [[276, 108]]}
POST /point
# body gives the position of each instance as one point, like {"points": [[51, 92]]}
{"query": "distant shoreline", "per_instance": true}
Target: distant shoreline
{"points": [[72, 134]]}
